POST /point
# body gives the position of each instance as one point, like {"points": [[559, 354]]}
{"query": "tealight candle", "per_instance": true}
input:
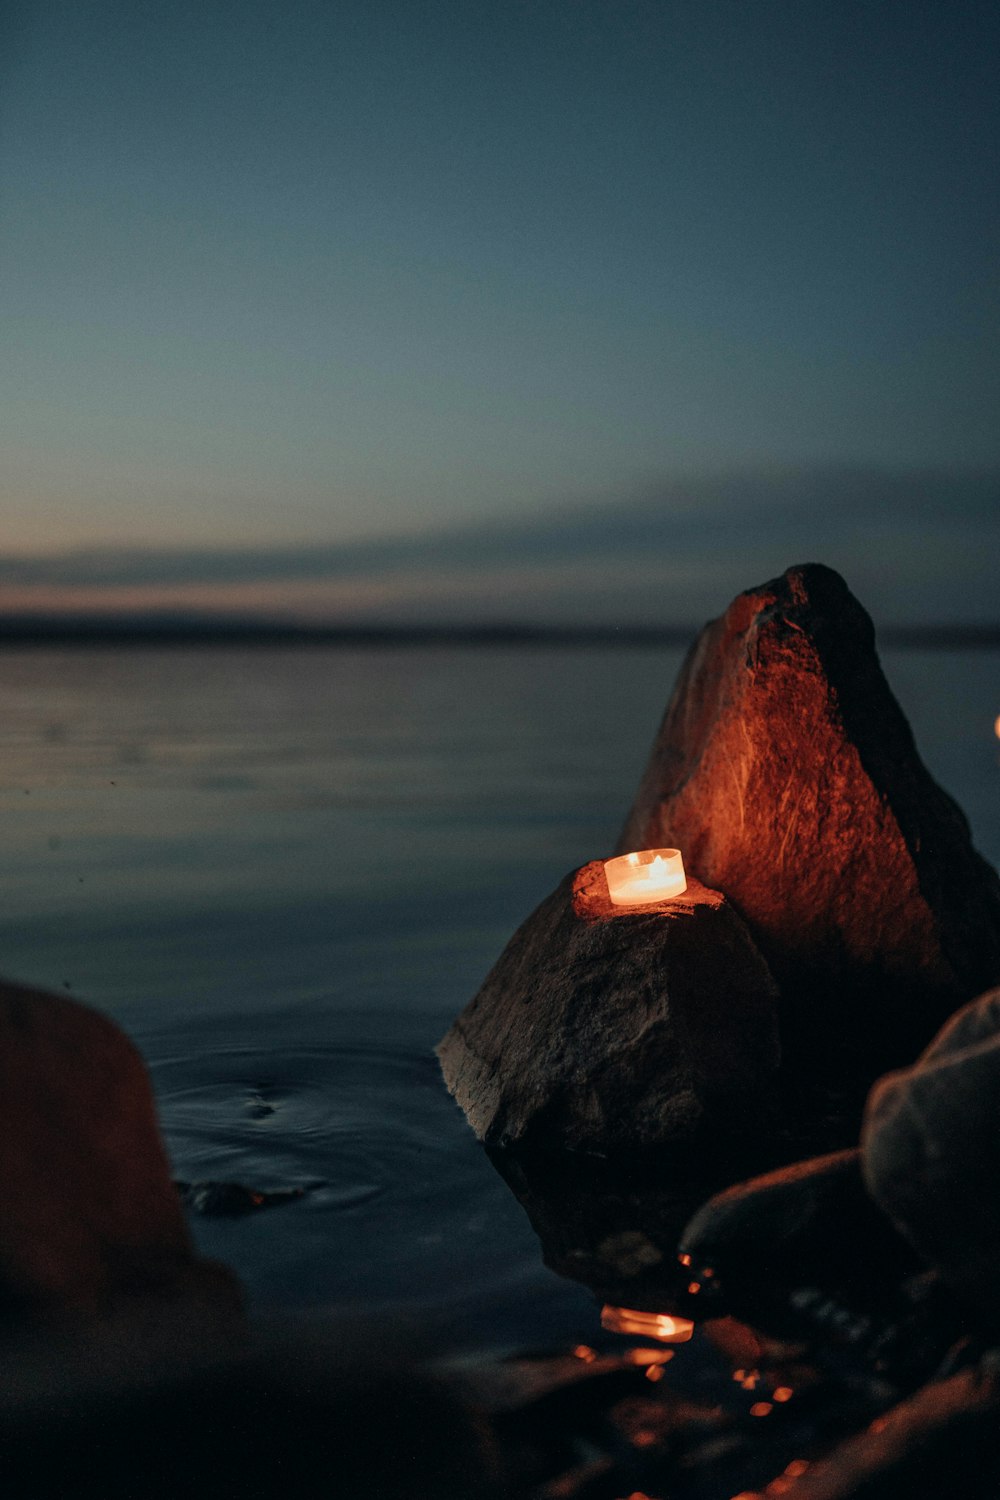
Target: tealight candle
{"points": [[646, 876]]}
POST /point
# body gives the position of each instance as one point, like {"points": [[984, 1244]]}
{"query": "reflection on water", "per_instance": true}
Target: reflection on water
{"points": [[646, 1325], [287, 871]]}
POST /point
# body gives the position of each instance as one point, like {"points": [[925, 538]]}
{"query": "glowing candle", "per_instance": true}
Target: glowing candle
{"points": [[649, 875]]}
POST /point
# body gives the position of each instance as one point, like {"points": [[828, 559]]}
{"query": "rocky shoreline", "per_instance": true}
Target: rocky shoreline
{"points": [[764, 1112]]}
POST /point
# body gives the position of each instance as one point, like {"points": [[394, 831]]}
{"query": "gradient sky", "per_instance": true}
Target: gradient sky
{"points": [[541, 308]]}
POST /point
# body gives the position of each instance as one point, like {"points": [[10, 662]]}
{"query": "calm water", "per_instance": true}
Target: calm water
{"points": [[285, 871]]}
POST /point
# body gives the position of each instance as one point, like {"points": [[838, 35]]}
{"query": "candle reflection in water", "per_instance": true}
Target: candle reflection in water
{"points": [[648, 1325]]}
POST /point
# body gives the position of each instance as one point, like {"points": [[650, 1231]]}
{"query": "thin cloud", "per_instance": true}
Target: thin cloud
{"points": [[658, 555]]}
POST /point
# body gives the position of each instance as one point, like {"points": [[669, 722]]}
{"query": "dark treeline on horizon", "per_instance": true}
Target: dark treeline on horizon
{"points": [[32, 630]]}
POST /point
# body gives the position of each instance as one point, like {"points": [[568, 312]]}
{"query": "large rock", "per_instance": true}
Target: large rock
{"points": [[932, 1152], [943, 1440], [809, 1227], [89, 1218], [787, 774], [603, 1026]]}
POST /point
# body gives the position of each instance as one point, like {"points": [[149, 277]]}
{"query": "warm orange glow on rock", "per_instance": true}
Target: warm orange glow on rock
{"points": [[648, 1325], [648, 875]]}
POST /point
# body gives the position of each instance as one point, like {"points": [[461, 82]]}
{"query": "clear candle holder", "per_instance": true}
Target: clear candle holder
{"points": [[645, 876]]}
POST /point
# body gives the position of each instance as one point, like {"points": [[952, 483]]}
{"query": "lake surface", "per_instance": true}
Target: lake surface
{"points": [[285, 870]]}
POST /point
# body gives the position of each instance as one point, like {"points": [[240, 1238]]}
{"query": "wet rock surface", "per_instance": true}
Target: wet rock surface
{"points": [[602, 1027], [89, 1215], [788, 775], [932, 1152], [231, 1200]]}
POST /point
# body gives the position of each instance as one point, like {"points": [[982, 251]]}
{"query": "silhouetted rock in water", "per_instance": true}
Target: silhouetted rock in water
{"points": [[231, 1200], [932, 1152], [89, 1219], [603, 1026], [787, 774]]}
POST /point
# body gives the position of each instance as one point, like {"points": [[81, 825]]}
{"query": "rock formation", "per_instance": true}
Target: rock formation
{"points": [[603, 1027], [787, 773], [89, 1218], [932, 1152]]}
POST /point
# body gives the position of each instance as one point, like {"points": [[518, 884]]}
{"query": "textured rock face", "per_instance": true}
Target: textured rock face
{"points": [[88, 1213], [787, 773], [603, 1027], [932, 1152]]}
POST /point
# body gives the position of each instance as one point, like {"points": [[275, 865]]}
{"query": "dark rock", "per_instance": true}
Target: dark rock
{"points": [[89, 1215], [932, 1152], [943, 1440], [231, 1200], [787, 774], [603, 1027], [612, 1222], [810, 1215], [809, 1225], [344, 1414]]}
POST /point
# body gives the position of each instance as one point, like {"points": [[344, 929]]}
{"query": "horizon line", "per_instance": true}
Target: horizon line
{"points": [[170, 629]]}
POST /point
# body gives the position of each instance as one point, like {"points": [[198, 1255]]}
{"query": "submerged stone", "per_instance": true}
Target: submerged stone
{"points": [[603, 1027], [787, 773], [932, 1152], [232, 1200]]}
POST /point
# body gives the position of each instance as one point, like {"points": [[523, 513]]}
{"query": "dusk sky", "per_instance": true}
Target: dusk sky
{"points": [[541, 309]]}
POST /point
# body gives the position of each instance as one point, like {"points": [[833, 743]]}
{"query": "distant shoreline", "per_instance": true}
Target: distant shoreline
{"points": [[46, 631]]}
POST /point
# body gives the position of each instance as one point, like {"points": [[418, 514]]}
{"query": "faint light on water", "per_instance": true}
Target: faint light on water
{"points": [[649, 1356], [996, 726], [649, 1325]]}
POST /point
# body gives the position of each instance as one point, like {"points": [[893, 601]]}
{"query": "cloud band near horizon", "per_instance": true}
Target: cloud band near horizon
{"points": [[920, 543]]}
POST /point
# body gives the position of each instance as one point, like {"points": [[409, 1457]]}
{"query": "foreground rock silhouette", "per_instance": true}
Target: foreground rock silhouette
{"points": [[90, 1223], [602, 1027], [787, 773], [931, 1153]]}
